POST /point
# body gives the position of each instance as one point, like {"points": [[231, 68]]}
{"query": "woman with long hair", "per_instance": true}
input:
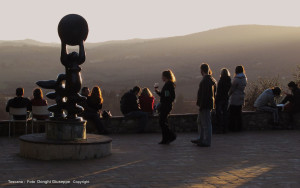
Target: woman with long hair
{"points": [[146, 100], [94, 106], [237, 99], [222, 98], [167, 97], [38, 100]]}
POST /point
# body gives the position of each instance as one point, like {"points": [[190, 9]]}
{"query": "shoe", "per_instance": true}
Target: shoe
{"points": [[172, 138], [164, 142], [196, 141], [203, 145]]}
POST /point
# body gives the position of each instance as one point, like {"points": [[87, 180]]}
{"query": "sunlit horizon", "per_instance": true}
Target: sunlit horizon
{"points": [[131, 19]]}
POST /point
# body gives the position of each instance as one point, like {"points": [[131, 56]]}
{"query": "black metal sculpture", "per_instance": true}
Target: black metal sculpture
{"points": [[72, 30]]}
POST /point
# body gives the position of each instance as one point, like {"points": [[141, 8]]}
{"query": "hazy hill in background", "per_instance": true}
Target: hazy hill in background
{"points": [[263, 50]]}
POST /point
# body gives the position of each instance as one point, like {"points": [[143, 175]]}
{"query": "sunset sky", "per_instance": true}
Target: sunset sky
{"points": [[126, 19]]}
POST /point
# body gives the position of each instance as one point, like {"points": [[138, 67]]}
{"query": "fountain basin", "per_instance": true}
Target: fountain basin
{"points": [[37, 146]]}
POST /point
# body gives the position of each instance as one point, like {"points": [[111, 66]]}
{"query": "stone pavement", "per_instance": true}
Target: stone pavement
{"points": [[248, 159]]}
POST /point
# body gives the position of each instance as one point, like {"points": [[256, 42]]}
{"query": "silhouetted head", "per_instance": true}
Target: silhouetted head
{"points": [[85, 91], [146, 92], [20, 92], [239, 69], [205, 69], [136, 90], [276, 91], [96, 95], [168, 75], [225, 72], [37, 93], [292, 86]]}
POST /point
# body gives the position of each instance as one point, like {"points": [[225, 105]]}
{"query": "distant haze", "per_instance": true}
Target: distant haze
{"points": [[120, 20], [265, 51]]}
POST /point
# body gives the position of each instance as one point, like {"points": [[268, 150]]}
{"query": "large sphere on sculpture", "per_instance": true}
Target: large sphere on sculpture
{"points": [[72, 29]]}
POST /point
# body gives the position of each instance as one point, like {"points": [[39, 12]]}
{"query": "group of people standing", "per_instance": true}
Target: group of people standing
{"points": [[226, 96]]}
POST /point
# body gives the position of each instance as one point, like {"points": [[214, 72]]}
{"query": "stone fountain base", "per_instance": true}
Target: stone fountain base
{"points": [[37, 146]]}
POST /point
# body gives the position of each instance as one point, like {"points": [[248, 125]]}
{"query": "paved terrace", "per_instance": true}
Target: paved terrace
{"points": [[248, 159]]}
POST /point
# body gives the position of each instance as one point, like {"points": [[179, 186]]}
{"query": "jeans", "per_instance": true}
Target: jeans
{"points": [[235, 118], [95, 118], [204, 127], [221, 113], [273, 110], [164, 123], [141, 116]]}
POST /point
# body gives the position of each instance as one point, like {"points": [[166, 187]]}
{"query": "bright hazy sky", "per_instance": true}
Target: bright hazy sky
{"points": [[126, 19]]}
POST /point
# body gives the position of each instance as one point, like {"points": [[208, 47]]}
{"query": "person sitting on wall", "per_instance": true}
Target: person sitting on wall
{"points": [[130, 107], [39, 101], [147, 101], [92, 110], [266, 102], [19, 102], [292, 102]]}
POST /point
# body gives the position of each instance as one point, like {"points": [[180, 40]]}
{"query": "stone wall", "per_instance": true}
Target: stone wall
{"points": [[179, 122], [188, 122]]}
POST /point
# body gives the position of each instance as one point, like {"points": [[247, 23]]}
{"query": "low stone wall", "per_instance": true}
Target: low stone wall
{"points": [[188, 122], [179, 122]]}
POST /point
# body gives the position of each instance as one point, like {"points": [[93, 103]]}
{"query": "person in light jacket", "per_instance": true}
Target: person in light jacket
{"points": [[237, 99]]}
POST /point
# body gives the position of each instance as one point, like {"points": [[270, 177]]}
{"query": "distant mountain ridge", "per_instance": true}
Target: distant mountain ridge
{"points": [[115, 65]]}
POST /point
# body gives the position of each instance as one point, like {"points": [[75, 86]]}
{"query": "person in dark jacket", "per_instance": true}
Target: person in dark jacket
{"points": [[19, 102], [205, 102], [167, 97], [39, 101], [93, 108], [130, 107], [237, 99], [292, 102], [222, 98], [147, 101]]}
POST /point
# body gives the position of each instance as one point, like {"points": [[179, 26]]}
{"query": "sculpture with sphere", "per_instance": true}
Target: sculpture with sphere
{"points": [[72, 30]]}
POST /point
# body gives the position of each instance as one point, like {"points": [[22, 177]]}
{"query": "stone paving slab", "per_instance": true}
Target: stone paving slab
{"points": [[249, 159]]}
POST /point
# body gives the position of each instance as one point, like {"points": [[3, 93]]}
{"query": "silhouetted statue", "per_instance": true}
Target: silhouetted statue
{"points": [[72, 30]]}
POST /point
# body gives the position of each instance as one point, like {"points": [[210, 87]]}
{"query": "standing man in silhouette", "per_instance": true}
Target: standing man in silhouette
{"points": [[205, 102]]}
